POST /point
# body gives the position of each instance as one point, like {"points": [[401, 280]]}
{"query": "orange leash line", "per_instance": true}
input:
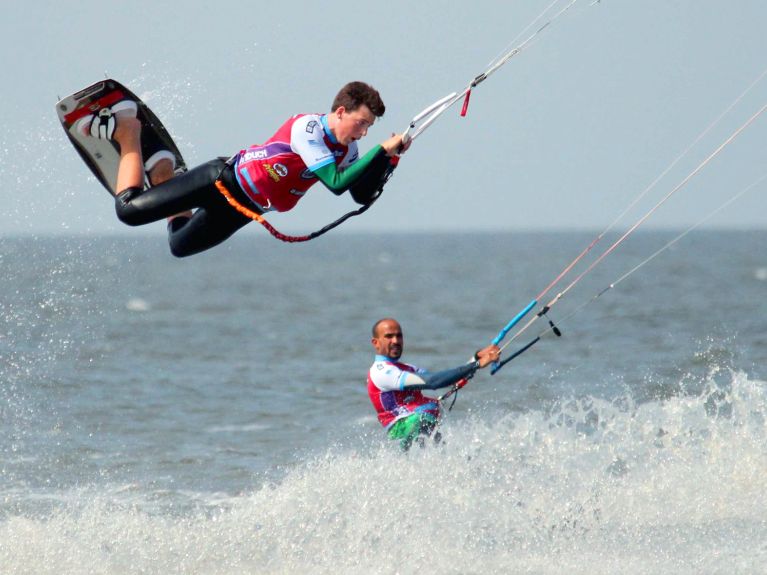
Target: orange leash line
{"points": [[237, 205], [258, 217], [270, 228]]}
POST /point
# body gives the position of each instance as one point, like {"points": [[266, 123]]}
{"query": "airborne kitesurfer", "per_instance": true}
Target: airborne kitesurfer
{"points": [[272, 176], [395, 388]]}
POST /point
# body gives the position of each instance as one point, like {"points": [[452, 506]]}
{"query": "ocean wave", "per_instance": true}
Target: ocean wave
{"points": [[585, 486]]}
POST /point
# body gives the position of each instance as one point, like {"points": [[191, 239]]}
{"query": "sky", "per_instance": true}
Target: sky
{"points": [[565, 136]]}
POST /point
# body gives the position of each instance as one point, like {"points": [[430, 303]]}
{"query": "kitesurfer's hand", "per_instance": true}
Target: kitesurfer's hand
{"points": [[395, 145], [488, 355]]}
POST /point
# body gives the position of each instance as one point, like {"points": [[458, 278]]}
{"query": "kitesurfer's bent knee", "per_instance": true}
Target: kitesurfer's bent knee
{"points": [[127, 213], [196, 188]]}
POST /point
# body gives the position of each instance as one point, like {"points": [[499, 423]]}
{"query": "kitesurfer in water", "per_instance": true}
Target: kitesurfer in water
{"points": [[395, 388], [272, 176]]}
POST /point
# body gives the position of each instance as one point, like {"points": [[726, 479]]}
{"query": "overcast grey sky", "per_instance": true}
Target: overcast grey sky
{"points": [[564, 136]]}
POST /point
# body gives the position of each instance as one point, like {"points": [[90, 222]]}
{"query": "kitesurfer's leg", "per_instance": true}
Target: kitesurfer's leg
{"points": [[413, 428], [213, 222], [160, 172], [159, 164], [193, 189], [208, 227], [130, 173]]}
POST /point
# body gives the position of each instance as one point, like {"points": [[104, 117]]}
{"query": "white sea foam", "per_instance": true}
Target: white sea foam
{"points": [[588, 486]]}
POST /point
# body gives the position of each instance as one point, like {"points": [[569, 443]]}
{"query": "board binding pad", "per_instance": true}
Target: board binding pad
{"points": [[103, 156]]}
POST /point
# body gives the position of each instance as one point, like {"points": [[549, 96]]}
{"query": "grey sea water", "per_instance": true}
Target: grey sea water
{"points": [[209, 415]]}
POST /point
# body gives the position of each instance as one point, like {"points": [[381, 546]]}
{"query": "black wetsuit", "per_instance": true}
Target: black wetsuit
{"points": [[215, 219], [213, 222]]}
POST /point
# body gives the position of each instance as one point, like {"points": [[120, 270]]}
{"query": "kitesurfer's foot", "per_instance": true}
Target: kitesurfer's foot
{"points": [[160, 166], [127, 133], [104, 124]]}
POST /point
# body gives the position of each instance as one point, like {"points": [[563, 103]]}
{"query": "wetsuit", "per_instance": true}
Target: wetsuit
{"points": [[396, 395], [270, 176]]}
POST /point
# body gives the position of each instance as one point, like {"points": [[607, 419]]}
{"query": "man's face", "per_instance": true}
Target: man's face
{"points": [[388, 340], [351, 126]]}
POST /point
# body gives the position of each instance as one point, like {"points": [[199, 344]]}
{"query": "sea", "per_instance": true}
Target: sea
{"points": [[209, 415]]}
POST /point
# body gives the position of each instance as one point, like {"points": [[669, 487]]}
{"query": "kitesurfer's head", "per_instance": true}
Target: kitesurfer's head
{"points": [[354, 110], [387, 338]]}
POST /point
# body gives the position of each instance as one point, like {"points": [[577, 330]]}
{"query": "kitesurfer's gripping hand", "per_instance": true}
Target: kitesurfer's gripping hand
{"points": [[396, 145], [487, 355]]}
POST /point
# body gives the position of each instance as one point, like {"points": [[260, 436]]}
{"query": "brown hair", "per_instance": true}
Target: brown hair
{"points": [[355, 94]]}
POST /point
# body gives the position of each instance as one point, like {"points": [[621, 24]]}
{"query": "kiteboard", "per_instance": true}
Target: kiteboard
{"points": [[103, 156]]}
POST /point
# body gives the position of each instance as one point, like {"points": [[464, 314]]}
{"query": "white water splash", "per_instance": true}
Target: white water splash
{"points": [[587, 487]]}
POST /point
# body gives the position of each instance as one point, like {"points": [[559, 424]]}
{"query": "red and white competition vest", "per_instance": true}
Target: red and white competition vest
{"points": [[385, 382], [276, 174]]}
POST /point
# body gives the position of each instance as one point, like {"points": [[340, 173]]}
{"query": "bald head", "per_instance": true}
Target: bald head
{"points": [[386, 320], [387, 338]]}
